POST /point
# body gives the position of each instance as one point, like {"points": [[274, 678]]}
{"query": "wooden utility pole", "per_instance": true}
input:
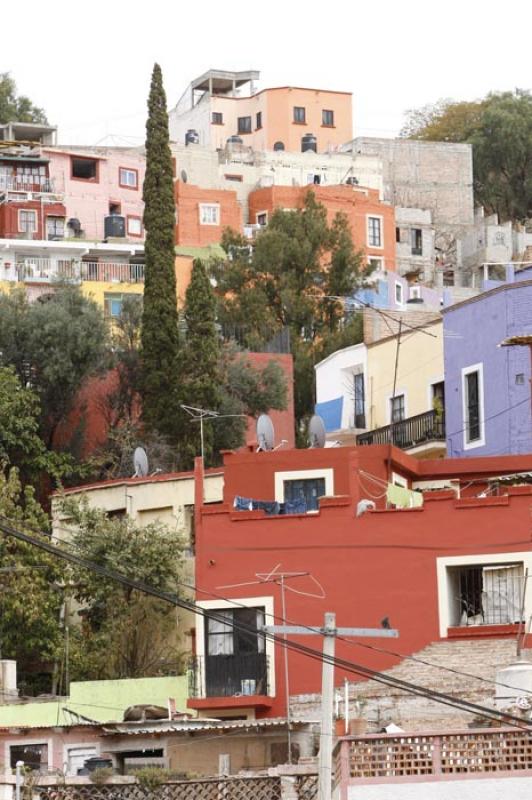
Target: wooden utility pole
{"points": [[329, 633]]}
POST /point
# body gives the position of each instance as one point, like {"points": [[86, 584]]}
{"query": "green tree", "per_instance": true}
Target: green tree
{"points": [[298, 267], [202, 374], [54, 346], [30, 592], [17, 108], [20, 443], [124, 634], [160, 345], [499, 128]]}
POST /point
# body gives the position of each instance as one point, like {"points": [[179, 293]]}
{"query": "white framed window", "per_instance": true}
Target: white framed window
{"points": [[376, 263], [473, 406], [209, 214], [397, 408], [294, 483], [262, 218], [218, 637], [375, 232], [415, 292], [399, 293], [134, 226], [484, 589], [128, 178], [399, 480], [27, 220]]}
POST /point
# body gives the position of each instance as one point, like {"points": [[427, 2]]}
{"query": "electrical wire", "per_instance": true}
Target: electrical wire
{"points": [[348, 666]]}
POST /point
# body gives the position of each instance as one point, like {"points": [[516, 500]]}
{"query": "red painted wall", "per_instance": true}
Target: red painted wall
{"points": [[9, 224], [381, 564], [188, 231]]}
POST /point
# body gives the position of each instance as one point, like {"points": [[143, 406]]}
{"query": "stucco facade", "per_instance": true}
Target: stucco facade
{"points": [[497, 419]]}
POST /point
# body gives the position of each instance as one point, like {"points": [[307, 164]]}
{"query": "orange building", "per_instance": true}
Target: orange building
{"points": [[220, 104], [372, 221], [202, 214]]}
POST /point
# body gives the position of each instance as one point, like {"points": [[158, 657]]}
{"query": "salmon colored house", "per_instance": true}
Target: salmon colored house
{"points": [[372, 221], [220, 104], [450, 570], [202, 214]]}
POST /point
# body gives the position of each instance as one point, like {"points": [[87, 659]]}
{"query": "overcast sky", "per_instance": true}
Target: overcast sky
{"points": [[89, 63]]}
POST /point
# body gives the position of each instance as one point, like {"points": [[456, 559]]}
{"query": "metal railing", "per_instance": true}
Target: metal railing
{"points": [[489, 595], [26, 183], [229, 676], [427, 427], [47, 269]]}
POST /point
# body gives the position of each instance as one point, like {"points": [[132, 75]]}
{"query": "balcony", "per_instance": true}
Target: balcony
{"points": [[229, 680], [39, 184], [424, 432], [41, 270]]}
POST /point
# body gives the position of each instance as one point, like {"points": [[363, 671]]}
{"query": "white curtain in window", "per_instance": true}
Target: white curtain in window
{"points": [[261, 643], [502, 594], [220, 634]]}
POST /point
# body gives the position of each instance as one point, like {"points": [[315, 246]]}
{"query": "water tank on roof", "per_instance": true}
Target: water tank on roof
{"points": [[514, 685], [191, 137], [309, 143], [114, 226]]}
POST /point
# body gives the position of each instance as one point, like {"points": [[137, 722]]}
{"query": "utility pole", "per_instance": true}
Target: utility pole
{"points": [[329, 633]]}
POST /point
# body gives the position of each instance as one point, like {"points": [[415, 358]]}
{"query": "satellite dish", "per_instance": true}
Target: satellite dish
{"points": [[265, 434], [140, 463], [184, 176], [316, 432]]}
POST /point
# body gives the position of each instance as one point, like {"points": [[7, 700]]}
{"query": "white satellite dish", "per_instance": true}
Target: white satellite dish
{"points": [[316, 432], [140, 463], [265, 433]]}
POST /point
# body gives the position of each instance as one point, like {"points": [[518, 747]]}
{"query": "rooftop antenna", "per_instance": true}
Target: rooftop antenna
{"points": [[265, 433], [201, 414], [316, 432], [140, 463]]}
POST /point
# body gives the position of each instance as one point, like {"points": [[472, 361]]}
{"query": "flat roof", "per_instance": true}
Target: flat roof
{"points": [[223, 80]]}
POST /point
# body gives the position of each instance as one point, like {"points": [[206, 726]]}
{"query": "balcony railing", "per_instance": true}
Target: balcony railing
{"points": [[411, 432], [27, 183], [229, 676], [420, 756], [47, 269]]}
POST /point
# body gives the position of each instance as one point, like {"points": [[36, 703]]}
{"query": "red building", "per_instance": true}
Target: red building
{"points": [[450, 569], [202, 214]]}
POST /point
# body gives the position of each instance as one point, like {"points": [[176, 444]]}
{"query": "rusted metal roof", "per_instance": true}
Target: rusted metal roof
{"points": [[195, 725]]}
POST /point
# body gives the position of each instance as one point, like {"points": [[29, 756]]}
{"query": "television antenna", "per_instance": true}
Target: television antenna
{"points": [[140, 463], [201, 414], [316, 432], [265, 433]]}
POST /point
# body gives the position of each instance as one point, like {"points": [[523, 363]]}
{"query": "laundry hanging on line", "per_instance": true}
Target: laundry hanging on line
{"points": [[400, 497], [270, 507]]}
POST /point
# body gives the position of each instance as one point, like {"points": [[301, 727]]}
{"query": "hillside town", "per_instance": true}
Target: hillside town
{"points": [[265, 452]]}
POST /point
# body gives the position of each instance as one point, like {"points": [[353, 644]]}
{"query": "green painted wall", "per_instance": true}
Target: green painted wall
{"points": [[103, 701]]}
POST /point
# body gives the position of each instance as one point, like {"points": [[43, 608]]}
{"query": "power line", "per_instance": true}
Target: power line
{"points": [[316, 655]]}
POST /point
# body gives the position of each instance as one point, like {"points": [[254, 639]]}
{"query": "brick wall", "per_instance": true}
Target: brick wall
{"points": [[189, 231]]}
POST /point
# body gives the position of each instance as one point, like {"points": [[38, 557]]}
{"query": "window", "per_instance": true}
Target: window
{"points": [[399, 296], [278, 146], [235, 652], [27, 221], [416, 241], [472, 396], [415, 292], [217, 118], [238, 178], [299, 115], [244, 124], [34, 756], [262, 218], [306, 490], [209, 214], [129, 178], [84, 169], [486, 594], [115, 208], [134, 226], [374, 232], [398, 235], [376, 264], [327, 118], [360, 416], [55, 227], [397, 408], [113, 303], [520, 378], [258, 123]]}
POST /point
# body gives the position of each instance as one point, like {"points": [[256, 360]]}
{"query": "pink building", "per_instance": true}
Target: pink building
{"points": [[103, 191]]}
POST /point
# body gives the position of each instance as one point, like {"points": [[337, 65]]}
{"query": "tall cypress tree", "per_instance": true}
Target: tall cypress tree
{"points": [[160, 346], [202, 357]]}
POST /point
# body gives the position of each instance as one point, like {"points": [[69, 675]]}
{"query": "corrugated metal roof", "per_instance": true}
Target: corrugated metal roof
{"points": [[193, 725]]}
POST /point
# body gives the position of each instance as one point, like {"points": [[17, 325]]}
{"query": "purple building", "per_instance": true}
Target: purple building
{"points": [[487, 384]]}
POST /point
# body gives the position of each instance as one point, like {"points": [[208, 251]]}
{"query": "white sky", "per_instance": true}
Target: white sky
{"points": [[89, 63]]}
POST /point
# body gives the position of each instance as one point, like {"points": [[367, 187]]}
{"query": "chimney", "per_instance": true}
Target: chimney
{"points": [[8, 678]]}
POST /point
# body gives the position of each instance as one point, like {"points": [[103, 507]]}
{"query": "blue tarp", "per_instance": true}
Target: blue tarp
{"points": [[331, 413]]}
